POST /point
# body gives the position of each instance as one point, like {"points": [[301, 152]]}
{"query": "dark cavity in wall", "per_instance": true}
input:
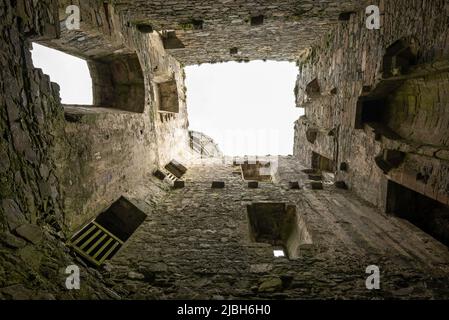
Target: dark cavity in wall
{"points": [[322, 163], [144, 27], [346, 16], [176, 168], [197, 24], [425, 213], [278, 225], [167, 97], [122, 219], [372, 104], [257, 20], [118, 82]]}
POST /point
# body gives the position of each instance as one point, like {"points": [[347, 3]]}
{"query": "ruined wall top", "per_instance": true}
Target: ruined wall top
{"points": [[235, 30]]}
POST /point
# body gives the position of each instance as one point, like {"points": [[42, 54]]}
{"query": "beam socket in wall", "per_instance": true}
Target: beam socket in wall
{"points": [[345, 16], [313, 89], [176, 168], [218, 185], [400, 57], [311, 135], [344, 166], [159, 174], [389, 160], [294, 185], [257, 20]]}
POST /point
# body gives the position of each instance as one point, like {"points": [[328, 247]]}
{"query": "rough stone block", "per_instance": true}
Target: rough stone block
{"points": [[315, 177], [12, 241], [271, 285], [177, 169], [343, 166], [13, 214], [30, 232]]}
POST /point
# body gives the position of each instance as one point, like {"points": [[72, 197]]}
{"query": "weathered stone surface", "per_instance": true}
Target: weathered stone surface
{"points": [[315, 185], [62, 165], [17, 292], [218, 184], [178, 184], [270, 285], [12, 241], [200, 240], [356, 61], [30, 232], [135, 275], [261, 268], [227, 25], [13, 215]]}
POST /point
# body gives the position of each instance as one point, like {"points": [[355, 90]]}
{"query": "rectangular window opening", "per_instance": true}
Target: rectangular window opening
{"points": [[427, 214], [167, 97], [278, 225]]}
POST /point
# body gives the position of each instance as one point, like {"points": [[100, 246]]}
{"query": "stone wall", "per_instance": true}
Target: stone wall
{"points": [[349, 67], [106, 149], [197, 244], [62, 165], [32, 253], [207, 30]]}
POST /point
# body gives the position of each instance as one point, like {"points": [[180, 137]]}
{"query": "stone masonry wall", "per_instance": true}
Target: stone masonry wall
{"points": [[196, 244], [32, 253], [348, 64], [106, 151]]}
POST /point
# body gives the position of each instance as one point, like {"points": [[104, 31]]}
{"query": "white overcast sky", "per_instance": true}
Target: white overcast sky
{"points": [[247, 108]]}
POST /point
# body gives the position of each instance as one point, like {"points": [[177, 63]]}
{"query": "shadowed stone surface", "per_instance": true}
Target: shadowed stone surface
{"points": [[207, 250], [368, 94]]}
